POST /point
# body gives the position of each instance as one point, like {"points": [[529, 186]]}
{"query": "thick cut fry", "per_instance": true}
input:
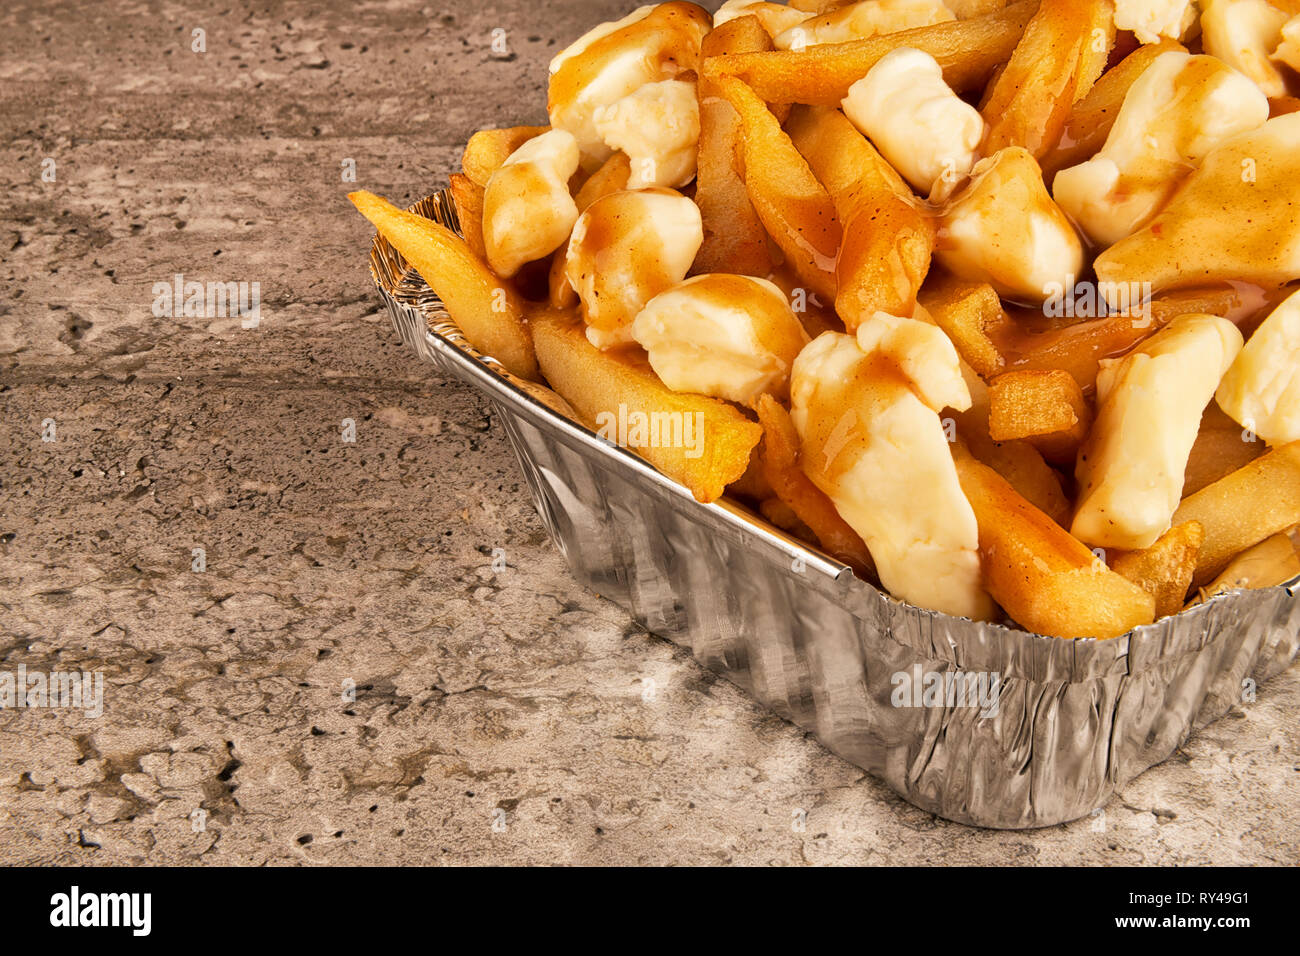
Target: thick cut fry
{"points": [[1032, 98], [487, 309], [1092, 117], [1097, 48], [734, 238], [1241, 510], [1047, 580], [967, 50], [700, 442], [1046, 408], [489, 148], [888, 237], [1222, 446], [779, 454], [1272, 562], [1165, 569], [468, 197], [794, 207], [967, 311]]}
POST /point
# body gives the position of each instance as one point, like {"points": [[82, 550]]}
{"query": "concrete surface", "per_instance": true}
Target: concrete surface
{"points": [[498, 717]]}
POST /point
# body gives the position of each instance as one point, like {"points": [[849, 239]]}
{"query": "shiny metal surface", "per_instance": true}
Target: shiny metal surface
{"points": [[1059, 724]]}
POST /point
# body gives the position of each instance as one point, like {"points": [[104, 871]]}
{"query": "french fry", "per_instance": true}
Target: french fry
{"points": [[616, 392], [1092, 117], [1241, 510], [1222, 446], [610, 177], [1272, 562], [1097, 48], [967, 50], [468, 198], [888, 237], [489, 148], [967, 311], [1165, 569], [1045, 408], [1032, 98], [794, 207], [487, 309], [779, 454], [1046, 579], [734, 238]]}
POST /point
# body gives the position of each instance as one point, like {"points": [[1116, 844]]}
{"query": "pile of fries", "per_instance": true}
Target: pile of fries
{"points": [[996, 302]]}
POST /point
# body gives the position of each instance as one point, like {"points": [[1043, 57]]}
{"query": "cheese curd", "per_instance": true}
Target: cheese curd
{"points": [[1179, 109], [1288, 51], [1152, 20], [1243, 34], [1149, 407], [729, 336], [879, 451], [914, 118], [775, 17], [1262, 389], [617, 59], [598, 32], [658, 127], [1003, 228], [869, 18], [626, 249], [528, 212]]}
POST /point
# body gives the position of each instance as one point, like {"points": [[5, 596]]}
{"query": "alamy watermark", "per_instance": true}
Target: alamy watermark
{"points": [[210, 300], [76, 690], [947, 689], [638, 429], [1095, 300]]}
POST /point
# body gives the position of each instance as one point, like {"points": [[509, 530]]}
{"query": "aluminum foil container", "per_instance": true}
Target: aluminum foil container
{"points": [[978, 723]]}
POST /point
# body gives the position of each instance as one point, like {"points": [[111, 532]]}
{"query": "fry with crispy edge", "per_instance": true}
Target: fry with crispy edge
{"points": [[967, 50], [1045, 578], [487, 309], [794, 207], [1092, 117], [606, 387], [779, 454], [1241, 510], [489, 148], [1045, 408], [1165, 569], [1031, 100], [734, 238], [888, 237], [467, 196]]}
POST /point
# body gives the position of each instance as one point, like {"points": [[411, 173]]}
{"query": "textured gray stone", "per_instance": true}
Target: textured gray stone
{"points": [[498, 718]]}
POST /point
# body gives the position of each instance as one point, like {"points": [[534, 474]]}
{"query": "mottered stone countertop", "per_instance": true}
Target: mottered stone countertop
{"points": [[499, 716]]}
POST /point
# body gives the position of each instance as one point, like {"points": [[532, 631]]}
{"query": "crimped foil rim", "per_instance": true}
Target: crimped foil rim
{"points": [[1011, 651]]}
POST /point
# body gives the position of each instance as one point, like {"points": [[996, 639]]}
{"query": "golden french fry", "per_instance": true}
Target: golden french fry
{"points": [[1241, 510], [967, 50], [1165, 569], [1097, 47], [700, 442], [734, 238], [487, 309], [489, 148], [779, 454], [968, 312], [1272, 562], [1046, 579], [888, 237], [1045, 408], [1092, 117], [794, 207], [468, 198], [1032, 98], [1222, 446]]}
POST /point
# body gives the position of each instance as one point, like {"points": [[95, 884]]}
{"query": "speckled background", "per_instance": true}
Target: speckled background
{"points": [[499, 715]]}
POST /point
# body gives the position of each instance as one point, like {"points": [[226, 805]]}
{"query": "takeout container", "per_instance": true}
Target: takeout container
{"points": [[1072, 719]]}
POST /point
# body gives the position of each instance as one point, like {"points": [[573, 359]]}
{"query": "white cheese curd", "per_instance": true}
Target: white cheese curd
{"points": [[1244, 34], [1262, 389], [1288, 51], [658, 126], [879, 451], [914, 118], [1149, 407], [1179, 109], [528, 212], [729, 336], [1154, 20]]}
